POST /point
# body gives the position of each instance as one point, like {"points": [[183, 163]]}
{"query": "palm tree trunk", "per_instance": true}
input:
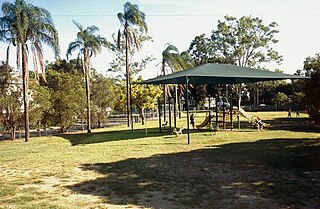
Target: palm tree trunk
{"points": [[88, 102], [25, 78], [128, 77]]}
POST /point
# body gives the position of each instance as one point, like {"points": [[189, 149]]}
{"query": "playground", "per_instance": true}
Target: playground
{"points": [[117, 168]]}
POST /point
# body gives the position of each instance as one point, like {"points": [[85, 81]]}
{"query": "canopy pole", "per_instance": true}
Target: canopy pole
{"points": [[164, 102], [217, 117], [231, 112], [239, 104], [187, 106], [175, 106], [159, 114], [169, 107]]}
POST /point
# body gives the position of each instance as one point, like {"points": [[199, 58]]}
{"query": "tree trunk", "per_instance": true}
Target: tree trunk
{"points": [[128, 76], [87, 74], [25, 79], [62, 129], [82, 126], [99, 120], [142, 116], [13, 133]]}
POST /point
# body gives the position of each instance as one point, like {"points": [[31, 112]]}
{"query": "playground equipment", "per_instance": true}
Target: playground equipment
{"points": [[177, 131], [205, 122], [253, 119]]}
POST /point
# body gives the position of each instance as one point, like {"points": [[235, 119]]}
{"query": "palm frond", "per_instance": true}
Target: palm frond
{"points": [[78, 25], [34, 59], [119, 39], [121, 18], [73, 46], [136, 41], [40, 58]]}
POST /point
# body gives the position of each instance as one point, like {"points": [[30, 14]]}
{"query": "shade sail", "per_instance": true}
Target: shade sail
{"points": [[219, 74]]}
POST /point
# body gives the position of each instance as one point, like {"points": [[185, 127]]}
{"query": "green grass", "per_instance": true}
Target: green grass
{"points": [[115, 168]]}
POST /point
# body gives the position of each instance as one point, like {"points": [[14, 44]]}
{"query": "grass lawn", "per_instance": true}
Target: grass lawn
{"points": [[115, 168]]}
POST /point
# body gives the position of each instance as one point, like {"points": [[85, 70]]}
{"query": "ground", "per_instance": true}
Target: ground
{"points": [[115, 168]]}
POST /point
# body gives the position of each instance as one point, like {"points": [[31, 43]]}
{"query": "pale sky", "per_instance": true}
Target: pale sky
{"points": [[178, 22]]}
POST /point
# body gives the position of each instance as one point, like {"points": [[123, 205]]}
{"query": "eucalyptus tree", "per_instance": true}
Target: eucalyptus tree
{"points": [[131, 19], [248, 41], [87, 43], [27, 27]]}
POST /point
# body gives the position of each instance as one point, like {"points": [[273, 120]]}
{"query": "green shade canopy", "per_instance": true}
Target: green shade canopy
{"points": [[219, 74]]}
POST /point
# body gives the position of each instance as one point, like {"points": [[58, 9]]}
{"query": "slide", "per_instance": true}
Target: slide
{"points": [[205, 122], [255, 120], [245, 114]]}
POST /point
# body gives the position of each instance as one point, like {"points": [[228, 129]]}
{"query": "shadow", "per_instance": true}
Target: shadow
{"points": [[108, 136], [288, 124], [274, 173], [293, 124]]}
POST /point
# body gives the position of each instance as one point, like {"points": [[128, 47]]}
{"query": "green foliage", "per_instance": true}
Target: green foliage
{"points": [[27, 28], [175, 60], [10, 107], [281, 98], [10, 101], [246, 41], [144, 96], [201, 50], [87, 43], [25, 24], [133, 21], [312, 69], [68, 99], [40, 103], [103, 96]]}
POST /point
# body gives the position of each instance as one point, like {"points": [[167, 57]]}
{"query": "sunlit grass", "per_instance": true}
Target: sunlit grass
{"points": [[117, 168]]}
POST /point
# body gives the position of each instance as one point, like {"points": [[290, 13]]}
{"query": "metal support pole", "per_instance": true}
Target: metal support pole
{"points": [[239, 104], [159, 114], [231, 112], [223, 111], [217, 98], [175, 107], [170, 126], [209, 108], [187, 106]]}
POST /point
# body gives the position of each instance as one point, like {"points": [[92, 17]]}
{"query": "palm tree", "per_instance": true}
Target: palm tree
{"points": [[130, 19], [87, 43], [175, 61], [26, 27]]}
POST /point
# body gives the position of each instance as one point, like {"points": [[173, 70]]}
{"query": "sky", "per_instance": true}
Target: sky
{"points": [[179, 22]]}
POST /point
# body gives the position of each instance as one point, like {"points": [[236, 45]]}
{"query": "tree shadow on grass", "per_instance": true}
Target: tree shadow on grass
{"points": [[274, 173], [289, 124], [108, 136], [294, 124]]}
